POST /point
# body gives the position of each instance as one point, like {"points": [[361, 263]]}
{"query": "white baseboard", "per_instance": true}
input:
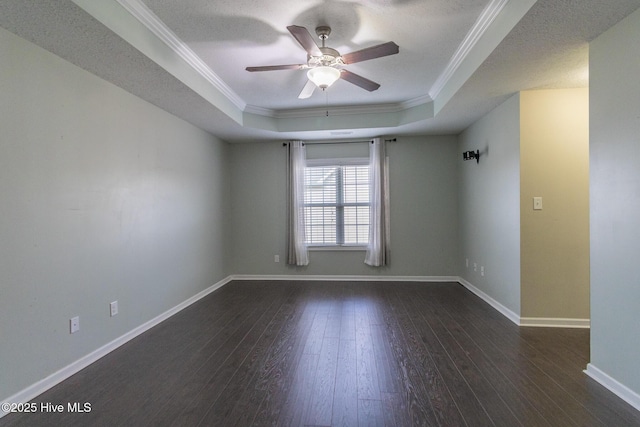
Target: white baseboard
{"points": [[541, 322], [551, 322], [45, 384], [50, 381], [520, 321], [509, 314], [347, 278], [616, 387]]}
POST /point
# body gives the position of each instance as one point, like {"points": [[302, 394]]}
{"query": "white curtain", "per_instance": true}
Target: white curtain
{"points": [[297, 249], [378, 248]]}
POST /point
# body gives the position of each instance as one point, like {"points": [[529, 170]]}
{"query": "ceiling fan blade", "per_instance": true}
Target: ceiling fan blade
{"points": [[359, 80], [277, 67], [385, 49], [307, 90], [302, 35]]}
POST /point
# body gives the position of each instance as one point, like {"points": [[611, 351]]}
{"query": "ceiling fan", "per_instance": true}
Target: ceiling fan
{"points": [[325, 64]]}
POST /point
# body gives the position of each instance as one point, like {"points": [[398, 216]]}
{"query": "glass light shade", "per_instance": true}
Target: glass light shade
{"points": [[323, 77]]}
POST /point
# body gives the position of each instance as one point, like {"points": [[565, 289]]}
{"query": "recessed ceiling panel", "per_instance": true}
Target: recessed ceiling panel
{"points": [[230, 36]]}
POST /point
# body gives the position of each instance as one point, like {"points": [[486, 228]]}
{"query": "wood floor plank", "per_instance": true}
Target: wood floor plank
{"points": [[295, 408], [334, 324], [320, 408], [389, 371], [245, 392], [370, 413], [367, 377], [277, 380], [424, 388], [345, 396], [348, 322], [396, 412], [316, 333]]}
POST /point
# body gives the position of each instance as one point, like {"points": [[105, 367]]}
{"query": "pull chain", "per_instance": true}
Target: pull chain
{"points": [[326, 97]]}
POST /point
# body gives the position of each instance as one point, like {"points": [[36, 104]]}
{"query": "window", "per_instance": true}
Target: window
{"points": [[336, 202]]}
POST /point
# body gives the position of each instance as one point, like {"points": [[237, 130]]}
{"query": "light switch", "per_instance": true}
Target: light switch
{"points": [[74, 324], [537, 203]]}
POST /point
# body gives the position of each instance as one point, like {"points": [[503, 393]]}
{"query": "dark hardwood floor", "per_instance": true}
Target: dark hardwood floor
{"points": [[340, 354]]}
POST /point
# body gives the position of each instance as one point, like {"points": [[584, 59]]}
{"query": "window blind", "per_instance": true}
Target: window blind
{"points": [[337, 204]]}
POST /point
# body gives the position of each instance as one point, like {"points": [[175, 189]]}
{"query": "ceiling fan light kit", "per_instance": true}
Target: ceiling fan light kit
{"points": [[325, 64], [323, 76]]}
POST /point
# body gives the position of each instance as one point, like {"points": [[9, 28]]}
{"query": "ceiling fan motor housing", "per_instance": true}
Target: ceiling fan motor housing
{"points": [[330, 58], [323, 32]]}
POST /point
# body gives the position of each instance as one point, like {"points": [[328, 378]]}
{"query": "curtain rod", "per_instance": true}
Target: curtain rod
{"points": [[284, 144]]}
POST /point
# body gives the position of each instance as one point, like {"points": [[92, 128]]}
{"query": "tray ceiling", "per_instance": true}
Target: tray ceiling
{"points": [[457, 60]]}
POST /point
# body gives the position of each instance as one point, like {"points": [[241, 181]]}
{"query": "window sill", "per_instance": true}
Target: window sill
{"points": [[338, 248]]}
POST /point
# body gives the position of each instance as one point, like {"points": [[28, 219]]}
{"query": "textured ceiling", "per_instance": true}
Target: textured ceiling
{"points": [[547, 48], [230, 36]]}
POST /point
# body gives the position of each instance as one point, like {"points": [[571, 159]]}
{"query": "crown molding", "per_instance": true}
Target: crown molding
{"points": [[388, 115], [260, 111], [420, 100], [482, 24], [321, 111], [339, 111], [147, 18]]}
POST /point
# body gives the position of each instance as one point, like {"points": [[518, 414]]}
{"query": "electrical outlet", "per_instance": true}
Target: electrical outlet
{"points": [[276, 258], [113, 308], [475, 266], [74, 324], [482, 270]]}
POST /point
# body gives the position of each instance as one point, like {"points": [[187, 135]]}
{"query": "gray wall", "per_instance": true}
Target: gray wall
{"points": [[423, 191], [489, 205], [615, 201], [103, 197]]}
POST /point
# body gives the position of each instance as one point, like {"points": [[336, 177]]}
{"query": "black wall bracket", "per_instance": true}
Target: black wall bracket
{"points": [[470, 155]]}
